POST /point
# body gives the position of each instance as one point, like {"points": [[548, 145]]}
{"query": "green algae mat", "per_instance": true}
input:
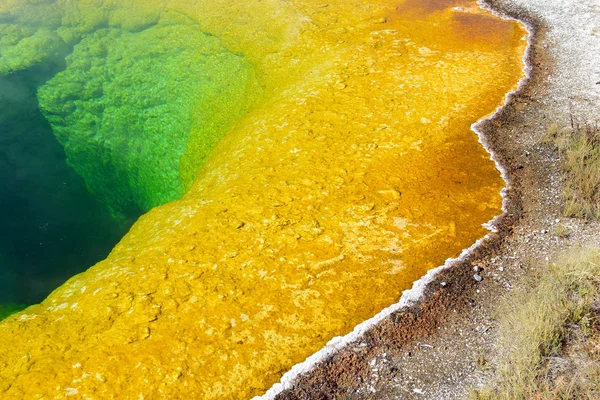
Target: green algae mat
{"points": [[138, 112], [300, 165]]}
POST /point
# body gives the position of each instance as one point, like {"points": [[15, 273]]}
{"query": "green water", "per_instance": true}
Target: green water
{"points": [[130, 105], [7, 310], [100, 123], [51, 226]]}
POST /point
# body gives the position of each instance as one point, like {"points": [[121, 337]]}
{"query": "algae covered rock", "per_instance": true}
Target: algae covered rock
{"points": [[34, 32], [144, 97], [38, 31], [129, 104]]}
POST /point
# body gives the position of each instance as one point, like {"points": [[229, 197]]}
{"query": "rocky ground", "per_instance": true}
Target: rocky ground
{"points": [[444, 345]]}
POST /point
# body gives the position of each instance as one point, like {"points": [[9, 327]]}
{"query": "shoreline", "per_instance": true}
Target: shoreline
{"points": [[416, 294], [421, 310]]}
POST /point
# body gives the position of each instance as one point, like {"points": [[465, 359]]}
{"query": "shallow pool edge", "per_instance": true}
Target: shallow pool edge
{"points": [[413, 295]]}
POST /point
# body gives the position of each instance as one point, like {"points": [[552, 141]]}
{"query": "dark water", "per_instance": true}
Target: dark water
{"points": [[51, 228]]}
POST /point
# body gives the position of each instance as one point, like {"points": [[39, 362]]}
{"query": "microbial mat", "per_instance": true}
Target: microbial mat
{"points": [[297, 164]]}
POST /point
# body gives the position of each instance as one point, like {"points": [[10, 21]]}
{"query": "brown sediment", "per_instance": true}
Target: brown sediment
{"points": [[426, 6], [432, 348], [487, 28]]}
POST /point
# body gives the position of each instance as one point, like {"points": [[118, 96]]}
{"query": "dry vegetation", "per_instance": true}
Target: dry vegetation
{"points": [[549, 334], [579, 149], [561, 230], [549, 330]]}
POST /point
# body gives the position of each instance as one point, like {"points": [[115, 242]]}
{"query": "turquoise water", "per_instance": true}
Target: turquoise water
{"points": [[51, 227]]}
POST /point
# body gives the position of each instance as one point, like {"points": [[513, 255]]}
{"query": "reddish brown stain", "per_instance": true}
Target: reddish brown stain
{"points": [[430, 6], [477, 27], [422, 8]]}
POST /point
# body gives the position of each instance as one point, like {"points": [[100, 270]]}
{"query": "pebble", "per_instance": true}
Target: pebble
{"points": [[477, 277], [477, 268], [443, 284]]}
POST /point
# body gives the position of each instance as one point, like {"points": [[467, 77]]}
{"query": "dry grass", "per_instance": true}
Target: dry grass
{"points": [[549, 334], [579, 149], [561, 230]]}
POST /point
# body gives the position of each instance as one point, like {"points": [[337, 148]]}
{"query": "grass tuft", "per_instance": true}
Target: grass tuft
{"points": [[562, 231], [557, 307], [579, 149]]}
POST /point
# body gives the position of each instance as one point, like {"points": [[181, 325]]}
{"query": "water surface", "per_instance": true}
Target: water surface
{"points": [[348, 171], [52, 227]]}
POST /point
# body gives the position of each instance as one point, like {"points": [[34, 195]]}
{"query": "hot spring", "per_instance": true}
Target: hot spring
{"points": [[274, 174]]}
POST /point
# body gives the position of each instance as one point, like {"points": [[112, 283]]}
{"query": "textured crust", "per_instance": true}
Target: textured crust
{"points": [[348, 374]]}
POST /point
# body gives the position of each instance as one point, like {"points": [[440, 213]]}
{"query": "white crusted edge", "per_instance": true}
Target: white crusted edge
{"points": [[414, 294]]}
